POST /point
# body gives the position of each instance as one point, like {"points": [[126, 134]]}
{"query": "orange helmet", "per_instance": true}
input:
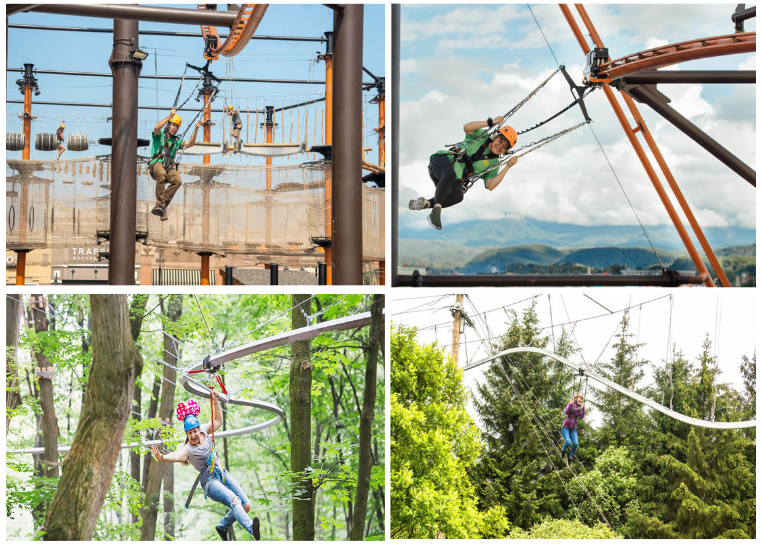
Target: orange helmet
{"points": [[63, 126], [509, 133], [176, 119], [230, 107]]}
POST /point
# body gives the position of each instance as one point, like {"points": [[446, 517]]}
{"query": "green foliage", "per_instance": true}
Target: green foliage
{"points": [[124, 497], [565, 529], [434, 441], [25, 491]]}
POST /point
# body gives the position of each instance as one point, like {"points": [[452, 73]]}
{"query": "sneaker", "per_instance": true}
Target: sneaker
{"points": [[222, 533], [434, 218], [569, 461], [421, 203], [255, 529], [156, 210], [164, 217]]}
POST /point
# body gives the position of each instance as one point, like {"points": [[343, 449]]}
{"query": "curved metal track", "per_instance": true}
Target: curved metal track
{"points": [[602, 380], [667, 55], [246, 23], [197, 389]]}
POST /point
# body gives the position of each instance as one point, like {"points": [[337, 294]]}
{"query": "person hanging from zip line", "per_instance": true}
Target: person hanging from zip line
{"points": [[450, 169], [162, 166], [574, 411], [59, 137], [200, 451], [236, 124]]}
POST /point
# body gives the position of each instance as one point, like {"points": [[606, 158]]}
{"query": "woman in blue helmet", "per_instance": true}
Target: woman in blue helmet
{"points": [[200, 451]]}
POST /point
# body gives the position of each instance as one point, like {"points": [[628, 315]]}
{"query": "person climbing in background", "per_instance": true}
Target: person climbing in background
{"points": [[236, 124], [59, 137], [162, 166], [449, 169], [574, 411], [200, 451]]}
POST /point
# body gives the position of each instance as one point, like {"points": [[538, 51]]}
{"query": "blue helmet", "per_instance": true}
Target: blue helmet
{"points": [[191, 421]]}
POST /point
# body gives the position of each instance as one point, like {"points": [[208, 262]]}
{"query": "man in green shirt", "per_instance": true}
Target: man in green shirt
{"points": [[162, 166], [450, 169]]}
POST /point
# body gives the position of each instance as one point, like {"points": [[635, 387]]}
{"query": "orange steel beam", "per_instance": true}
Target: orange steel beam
{"points": [[641, 125], [247, 21], [20, 267], [269, 124], [329, 172], [630, 133], [382, 132], [667, 55], [207, 125], [677, 192], [205, 269], [27, 122]]}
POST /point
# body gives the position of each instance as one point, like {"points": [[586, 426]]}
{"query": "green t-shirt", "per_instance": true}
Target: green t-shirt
{"points": [[157, 142], [472, 143]]}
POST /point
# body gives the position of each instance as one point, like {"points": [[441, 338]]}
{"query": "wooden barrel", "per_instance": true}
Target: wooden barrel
{"points": [[14, 141], [45, 141], [77, 142]]}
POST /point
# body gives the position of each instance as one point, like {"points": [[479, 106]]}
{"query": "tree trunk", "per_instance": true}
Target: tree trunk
{"points": [[157, 470], [90, 465], [137, 313], [13, 305], [44, 374], [356, 533], [152, 408], [301, 424]]}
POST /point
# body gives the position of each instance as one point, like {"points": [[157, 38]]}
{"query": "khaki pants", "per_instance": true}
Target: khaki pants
{"points": [[158, 173]]}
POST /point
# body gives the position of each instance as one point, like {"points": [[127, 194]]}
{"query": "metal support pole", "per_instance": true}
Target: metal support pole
{"points": [[143, 13], [329, 51], [228, 275], [686, 76], [273, 274], [347, 145], [21, 267], [205, 268], [269, 125], [322, 274], [665, 279], [395, 43], [126, 71], [651, 96]]}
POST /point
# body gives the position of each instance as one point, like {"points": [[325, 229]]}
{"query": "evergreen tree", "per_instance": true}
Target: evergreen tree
{"points": [[622, 417]]}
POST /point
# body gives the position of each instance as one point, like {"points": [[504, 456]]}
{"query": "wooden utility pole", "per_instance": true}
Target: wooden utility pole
{"points": [[457, 313]]}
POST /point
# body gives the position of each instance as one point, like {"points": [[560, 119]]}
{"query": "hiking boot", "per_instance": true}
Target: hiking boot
{"points": [[222, 533], [421, 203], [434, 218], [255, 529], [156, 211], [164, 217]]}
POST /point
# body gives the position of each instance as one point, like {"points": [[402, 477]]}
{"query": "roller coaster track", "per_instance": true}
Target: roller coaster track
{"points": [[249, 17], [658, 57], [612, 385]]}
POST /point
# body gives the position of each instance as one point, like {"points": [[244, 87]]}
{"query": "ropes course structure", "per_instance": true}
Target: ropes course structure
{"points": [[213, 363], [579, 368]]}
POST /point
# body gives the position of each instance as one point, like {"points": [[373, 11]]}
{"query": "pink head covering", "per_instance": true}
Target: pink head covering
{"points": [[183, 412]]}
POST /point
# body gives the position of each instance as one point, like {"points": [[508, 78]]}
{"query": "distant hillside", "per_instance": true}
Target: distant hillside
{"points": [[526, 231], [633, 258], [749, 250], [496, 259]]}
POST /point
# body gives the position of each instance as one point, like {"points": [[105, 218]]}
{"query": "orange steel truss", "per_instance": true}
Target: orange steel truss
{"points": [[647, 60]]}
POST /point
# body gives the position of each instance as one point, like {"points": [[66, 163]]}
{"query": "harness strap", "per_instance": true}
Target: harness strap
{"points": [[192, 491]]}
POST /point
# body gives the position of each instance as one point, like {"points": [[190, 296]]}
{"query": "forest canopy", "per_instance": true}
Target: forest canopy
{"points": [[59, 364]]}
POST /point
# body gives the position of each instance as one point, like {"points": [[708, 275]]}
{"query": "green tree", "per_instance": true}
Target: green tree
{"points": [[565, 529], [434, 441], [622, 417]]}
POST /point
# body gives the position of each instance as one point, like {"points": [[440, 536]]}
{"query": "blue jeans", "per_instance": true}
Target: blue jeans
{"points": [[571, 438], [225, 493]]}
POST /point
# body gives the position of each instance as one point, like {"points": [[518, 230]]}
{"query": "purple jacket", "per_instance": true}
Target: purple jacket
{"points": [[573, 413]]}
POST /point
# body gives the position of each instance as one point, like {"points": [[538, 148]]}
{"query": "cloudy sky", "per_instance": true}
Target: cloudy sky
{"points": [[463, 63], [657, 320]]}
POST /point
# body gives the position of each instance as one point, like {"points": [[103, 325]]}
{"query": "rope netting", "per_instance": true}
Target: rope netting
{"points": [[218, 208]]}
